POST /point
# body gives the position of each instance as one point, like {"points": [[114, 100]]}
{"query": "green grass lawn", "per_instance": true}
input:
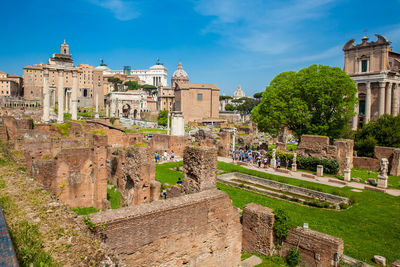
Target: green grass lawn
{"points": [[393, 182], [166, 172], [370, 227], [114, 197]]}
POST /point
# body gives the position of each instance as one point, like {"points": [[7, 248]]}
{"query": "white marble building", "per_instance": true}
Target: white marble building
{"points": [[156, 75]]}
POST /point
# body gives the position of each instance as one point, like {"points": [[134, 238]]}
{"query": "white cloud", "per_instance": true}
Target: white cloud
{"points": [[268, 27], [122, 9]]}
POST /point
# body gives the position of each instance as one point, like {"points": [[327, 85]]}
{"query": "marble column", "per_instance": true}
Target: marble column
{"points": [[382, 86], [355, 117], [60, 94], [395, 105], [97, 105], [46, 97], [107, 111], [367, 117], [388, 108], [74, 96]]}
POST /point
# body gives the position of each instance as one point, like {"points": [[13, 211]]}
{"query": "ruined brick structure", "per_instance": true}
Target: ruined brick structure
{"points": [[77, 176], [201, 229], [133, 171], [316, 249], [318, 146], [257, 224], [392, 154], [199, 169], [160, 143], [15, 127]]}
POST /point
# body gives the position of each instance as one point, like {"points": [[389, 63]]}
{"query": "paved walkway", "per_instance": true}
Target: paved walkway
{"points": [[298, 175]]}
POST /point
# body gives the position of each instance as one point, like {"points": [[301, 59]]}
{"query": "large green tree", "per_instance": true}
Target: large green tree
{"points": [[162, 118], [132, 85], [384, 132], [316, 100]]}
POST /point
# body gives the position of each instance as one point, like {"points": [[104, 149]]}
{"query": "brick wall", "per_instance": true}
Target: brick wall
{"points": [[201, 229], [366, 163], [345, 148], [316, 249], [161, 142], [257, 225], [199, 169]]}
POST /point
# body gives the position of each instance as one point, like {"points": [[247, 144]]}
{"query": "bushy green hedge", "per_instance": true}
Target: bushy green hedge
{"points": [[282, 155], [310, 163]]}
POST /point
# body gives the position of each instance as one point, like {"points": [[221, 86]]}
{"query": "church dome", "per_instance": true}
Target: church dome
{"points": [[158, 66], [103, 66], [180, 73], [239, 92]]}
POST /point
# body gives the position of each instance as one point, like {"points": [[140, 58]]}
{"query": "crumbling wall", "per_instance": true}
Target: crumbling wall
{"points": [[395, 170], [316, 146], [316, 249], [14, 127], [345, 149], [201, 229], [199, 169], [224, 144], [161, 142], [257, 224], [77, 176], [132, 170], [366, 163]]}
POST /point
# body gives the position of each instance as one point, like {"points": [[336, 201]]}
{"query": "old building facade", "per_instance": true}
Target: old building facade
{"points": [[375, 69], [10, 85], [90, 80]]}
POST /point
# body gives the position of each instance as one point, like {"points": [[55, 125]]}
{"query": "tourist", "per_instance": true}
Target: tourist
{"points": [[165, 155], [156, 156], [172, 155], [287, 163], [179, 181], [278, 162], [266, 162], [259, 162], [164, 192]]}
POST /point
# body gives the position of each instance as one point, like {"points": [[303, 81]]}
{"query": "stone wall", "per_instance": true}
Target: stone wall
{"points": [[224, 144], [77, 176], [199, 169], [132, 170], [345, 148], [395, 170], [257, 225], [318, 146], [201, 229], [366, 163], [14, 126], [161, 142], [316, 249]]}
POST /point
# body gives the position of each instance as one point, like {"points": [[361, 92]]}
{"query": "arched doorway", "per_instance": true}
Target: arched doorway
{"points": [[135, 114], [126, 110]]}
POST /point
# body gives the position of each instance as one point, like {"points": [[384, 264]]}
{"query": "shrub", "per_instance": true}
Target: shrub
{"points": [[112, 120], [310, 163], [365, 147], [343, 206], [282, 155], [281, 225], [293, 257]]}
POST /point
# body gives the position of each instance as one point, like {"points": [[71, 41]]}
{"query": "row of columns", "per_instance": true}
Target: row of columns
{"points": [[388, 102], [71, 97]]}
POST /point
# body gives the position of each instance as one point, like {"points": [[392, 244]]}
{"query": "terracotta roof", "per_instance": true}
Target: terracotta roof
{"points": [[13, 76], [197, 86]]}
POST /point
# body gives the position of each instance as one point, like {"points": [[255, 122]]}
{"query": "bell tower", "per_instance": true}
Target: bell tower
{"points": [[64, 49]]}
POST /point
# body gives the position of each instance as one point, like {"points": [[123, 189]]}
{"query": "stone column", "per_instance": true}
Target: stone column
{"points": [[382, 86], [294, 163], [168, 129], [355, 117], [60, 94], [367, 117], [347, 170], [112, 110], [74, 96], [388, 108], [320, 170], [234, 140], [46, 97], [107, 111], [177, 124], [273, 160], [97, 105], [395, 105], [382, 177]]}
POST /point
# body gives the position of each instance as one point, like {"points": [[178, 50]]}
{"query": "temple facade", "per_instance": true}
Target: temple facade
{"points": [[375, 69]]}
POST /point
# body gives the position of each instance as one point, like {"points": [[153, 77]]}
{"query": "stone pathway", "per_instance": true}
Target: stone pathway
{"points": [[320, 180], [252, 261]]}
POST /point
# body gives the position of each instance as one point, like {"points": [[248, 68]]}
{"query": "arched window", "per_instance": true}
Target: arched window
{"points": [[85, 92]]}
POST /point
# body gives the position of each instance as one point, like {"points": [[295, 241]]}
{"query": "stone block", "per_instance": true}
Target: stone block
{"points": [[396, 263], [294, 167], [395, 169], [308, 175], [380, 260], [257, 223], [337, 181], [372, 181], [376, 189], [251, 262], [347, 175], [382, 181]]}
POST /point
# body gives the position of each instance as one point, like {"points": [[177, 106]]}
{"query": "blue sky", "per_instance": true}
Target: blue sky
{"points": [[225, 42]]}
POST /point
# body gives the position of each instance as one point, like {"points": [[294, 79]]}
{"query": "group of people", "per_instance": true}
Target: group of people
{"points": [[255, 157], [164, 156]]}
